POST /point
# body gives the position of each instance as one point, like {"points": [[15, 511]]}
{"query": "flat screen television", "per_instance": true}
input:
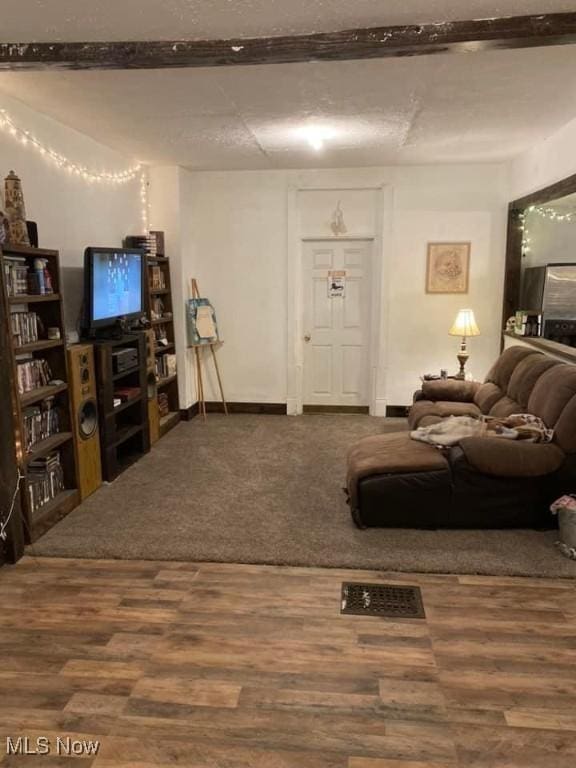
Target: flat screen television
{"points": [[113, 286]]}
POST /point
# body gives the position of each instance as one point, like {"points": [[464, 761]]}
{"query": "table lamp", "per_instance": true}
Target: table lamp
{"points": [[464, 326]]}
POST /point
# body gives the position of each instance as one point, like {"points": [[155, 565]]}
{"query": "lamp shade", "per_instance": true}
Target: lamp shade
{"points": [[465, 324]]}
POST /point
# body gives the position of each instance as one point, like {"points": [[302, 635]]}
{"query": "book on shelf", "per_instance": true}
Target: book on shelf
{"points": [[163, 404], [170, 364], [22, 279], [45, 480], [32, 373], [156, 308], [16, 275], [149, 243], [124, 394], [157, 279], [25, 327], [161, 335], [40, 422], [165, 366]]}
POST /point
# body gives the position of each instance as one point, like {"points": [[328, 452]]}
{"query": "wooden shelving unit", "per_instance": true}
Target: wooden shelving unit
{"points": [[124, 429], [48, 308], [160, 313]]}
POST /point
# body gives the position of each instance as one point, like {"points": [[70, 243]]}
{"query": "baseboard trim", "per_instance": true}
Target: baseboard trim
{"points": [[187, 414], [215, 406], [281, 409], [397, 411], [269, 409], [362, 409]]}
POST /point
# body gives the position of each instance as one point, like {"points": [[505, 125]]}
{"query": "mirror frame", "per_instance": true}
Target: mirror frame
{"points": [[513, 264]]}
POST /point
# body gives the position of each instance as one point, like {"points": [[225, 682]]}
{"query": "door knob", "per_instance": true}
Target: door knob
{"points": [[307, 338]]}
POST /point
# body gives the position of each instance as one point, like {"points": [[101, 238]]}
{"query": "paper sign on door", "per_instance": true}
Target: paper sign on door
{"points": [[336, 283]]}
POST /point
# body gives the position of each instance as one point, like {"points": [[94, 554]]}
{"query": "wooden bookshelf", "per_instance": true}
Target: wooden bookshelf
{"points": [[30, 298], [36, 346], [48, 308], [160, 313]]}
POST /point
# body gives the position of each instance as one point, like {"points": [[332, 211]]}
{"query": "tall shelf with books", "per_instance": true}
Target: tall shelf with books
{"points": [[160, 312], [42, 419]]}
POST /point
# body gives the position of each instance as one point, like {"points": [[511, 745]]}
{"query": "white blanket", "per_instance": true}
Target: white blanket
{"points": [[518, 426]]}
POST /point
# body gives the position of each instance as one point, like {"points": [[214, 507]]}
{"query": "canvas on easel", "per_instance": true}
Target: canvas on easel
{"points": [[201, 324], [202, 331]]}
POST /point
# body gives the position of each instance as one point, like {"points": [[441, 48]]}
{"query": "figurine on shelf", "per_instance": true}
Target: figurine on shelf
{"points": [[4, 224], [16, 211]]}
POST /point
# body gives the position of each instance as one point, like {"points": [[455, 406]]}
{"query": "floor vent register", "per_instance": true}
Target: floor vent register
{"points": [[386, 600]]}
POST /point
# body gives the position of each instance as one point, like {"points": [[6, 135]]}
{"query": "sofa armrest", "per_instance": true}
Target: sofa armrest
{"points": [[500, 457], [454, 390]]}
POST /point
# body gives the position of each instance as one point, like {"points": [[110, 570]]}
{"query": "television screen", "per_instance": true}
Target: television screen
{"points": [[115, 284]]}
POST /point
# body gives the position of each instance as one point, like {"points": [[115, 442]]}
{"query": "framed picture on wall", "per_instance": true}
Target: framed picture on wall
{"points": [[447, 267]]}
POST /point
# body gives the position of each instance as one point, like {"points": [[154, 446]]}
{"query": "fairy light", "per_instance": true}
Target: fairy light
{"points": [[144, 206], [526, 240], [8, 125], [552, 214], [545, 212]]}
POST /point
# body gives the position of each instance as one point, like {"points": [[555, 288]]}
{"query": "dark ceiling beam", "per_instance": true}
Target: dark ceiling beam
{"points": [[372, 43]]}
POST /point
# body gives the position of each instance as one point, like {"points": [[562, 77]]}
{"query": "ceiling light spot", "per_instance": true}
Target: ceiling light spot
{"points": [[317, 135]]}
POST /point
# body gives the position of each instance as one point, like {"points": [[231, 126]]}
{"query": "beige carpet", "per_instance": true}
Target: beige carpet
{"points": [[267, 489]]}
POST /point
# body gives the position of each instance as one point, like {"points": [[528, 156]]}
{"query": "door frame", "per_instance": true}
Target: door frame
{"points": [[378, 342]]}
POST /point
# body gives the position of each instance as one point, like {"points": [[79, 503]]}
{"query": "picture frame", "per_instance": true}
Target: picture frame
{"points": [[448, 267]]}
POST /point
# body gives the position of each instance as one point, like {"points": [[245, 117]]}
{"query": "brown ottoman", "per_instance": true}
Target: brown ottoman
{"points": [[396, 482]]}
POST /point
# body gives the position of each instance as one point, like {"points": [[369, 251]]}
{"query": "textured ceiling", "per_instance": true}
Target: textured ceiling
{"points": [[53, 20], [485, 107]]}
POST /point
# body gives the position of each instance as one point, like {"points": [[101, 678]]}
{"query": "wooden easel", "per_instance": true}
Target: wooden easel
{"points": [[195, 294]]}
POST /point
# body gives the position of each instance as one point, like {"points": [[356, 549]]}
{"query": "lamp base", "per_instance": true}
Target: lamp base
{"points": [[462, 357]]}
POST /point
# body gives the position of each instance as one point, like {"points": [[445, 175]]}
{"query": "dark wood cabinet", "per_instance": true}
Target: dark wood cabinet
{"points": [[124, 429]]}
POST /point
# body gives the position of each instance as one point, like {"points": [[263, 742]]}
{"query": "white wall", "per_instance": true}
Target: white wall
{"points": [[237, 240], [549, 161], [444, 204], [235, 246], [71, 213]]}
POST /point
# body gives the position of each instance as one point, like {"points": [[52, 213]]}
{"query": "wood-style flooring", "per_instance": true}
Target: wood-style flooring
{"points": [[238, 666]]}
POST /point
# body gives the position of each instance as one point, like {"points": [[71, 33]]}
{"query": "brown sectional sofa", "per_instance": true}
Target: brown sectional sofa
{"points": [[394, 481]]}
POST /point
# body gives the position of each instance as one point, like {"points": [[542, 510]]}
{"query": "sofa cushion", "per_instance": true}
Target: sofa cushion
{"points": [[441, 409], [565, 428], [503, 368], [525, 377], [393, 453], [510, 458], [553, 393], [457, 390], [505, 407], [487, 395]]}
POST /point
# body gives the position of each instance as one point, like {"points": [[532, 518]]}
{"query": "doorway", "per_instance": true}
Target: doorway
{"points": [[336, 295]]}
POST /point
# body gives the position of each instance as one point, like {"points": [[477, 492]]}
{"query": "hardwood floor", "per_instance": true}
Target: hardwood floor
{"points": [[236, 666]]}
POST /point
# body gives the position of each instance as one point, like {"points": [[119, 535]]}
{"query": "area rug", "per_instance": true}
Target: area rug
{"points": [[268, 489]]}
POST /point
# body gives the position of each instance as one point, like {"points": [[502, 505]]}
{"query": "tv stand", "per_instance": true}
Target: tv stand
{"points": [[124, 429], [115, 332]]}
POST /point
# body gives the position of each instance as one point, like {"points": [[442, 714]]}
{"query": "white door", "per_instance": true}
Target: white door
{"points": [[336, 325]]}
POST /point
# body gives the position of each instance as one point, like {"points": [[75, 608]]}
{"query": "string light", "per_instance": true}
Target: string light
{"points": [[552, 214], [545, 212], [26, 138], [525, 238], [144, 205]]}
